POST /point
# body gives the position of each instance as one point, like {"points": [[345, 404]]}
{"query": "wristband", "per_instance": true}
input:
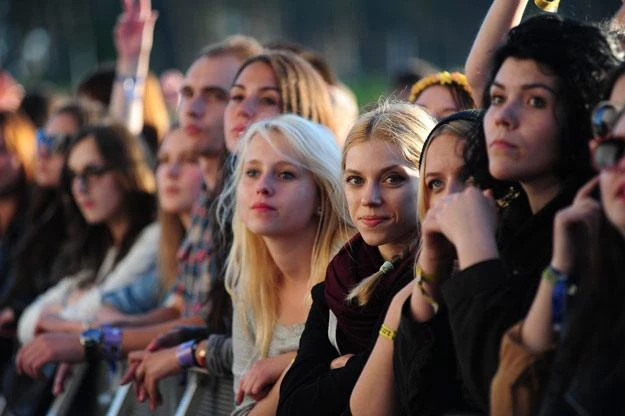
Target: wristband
{"points": [[559, 281], [111, 342], [185, 354], [387, 332]]}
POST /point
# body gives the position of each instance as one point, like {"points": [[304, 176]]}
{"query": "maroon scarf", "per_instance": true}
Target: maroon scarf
{"points": [[353, 263]]}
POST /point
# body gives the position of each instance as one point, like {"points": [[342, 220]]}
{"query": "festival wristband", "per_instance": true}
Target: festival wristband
{"points": [[185, 353], [111, 342], [387, 332], [419, 279]]}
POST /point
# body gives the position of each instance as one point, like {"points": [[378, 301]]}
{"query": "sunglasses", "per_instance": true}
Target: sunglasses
{"points": [[53, 143], [606, 149], [89, 175]]}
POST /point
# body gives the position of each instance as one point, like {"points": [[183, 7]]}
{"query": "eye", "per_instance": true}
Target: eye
{"points": [[162, 159], [435, 184], [252, 173], [537, 102], [354, 180], [236, 97], [269, 101], [186, 92], [394, 179], [286, 175], [496, 99]]}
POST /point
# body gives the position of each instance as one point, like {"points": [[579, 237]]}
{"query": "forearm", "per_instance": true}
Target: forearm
{"points": [[134, 339], [502, 16], [374, 391], [150, 318], [126, 104], [537, 332]]}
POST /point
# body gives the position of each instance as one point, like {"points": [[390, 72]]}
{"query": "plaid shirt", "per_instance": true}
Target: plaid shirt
{"points": [[196, 271]]}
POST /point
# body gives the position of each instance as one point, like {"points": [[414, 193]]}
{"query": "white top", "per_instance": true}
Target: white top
{"points": [[140, 259]]}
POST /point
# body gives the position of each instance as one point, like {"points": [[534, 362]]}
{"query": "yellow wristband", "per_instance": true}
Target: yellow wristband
{"points": [[387, 332], [421, 276]]}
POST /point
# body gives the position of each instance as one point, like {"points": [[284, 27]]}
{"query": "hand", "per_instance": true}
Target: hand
{"points": [[154, 367], [11, 93], [135, 358], [340, 362], [436, 249], [576, 228], [54, 323], [134, 32], [63, 372], [469, 221], [48, 348], [263, 374]]}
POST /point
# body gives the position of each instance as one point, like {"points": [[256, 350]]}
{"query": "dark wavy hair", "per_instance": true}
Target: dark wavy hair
{"points": [[579, 55], [88, 243]]}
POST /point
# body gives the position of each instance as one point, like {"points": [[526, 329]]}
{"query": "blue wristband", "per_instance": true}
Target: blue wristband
{"points": [[111, 343], [185, 354]]}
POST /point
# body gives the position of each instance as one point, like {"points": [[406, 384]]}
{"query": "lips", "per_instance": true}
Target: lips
{"points": [[262, 207], [502, 144], [372, 220], [192, 129], [87, 204], [239, 129], [171, 190]]}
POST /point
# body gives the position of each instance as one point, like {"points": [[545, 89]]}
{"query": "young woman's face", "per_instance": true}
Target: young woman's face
{"points": [[95, 187], [443, 168], [520, 124], [275, 195], [438, 101], [381, 188], [49, 163], [612, 181], [178, 175], [254, 96]]}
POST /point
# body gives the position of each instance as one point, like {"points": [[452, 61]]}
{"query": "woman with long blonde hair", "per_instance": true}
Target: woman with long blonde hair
{"points": [[289, 220]]}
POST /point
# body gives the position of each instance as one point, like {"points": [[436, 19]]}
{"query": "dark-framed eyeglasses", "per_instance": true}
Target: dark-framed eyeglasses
{"points": [[606, 149], [53, 143], [88, 176]]}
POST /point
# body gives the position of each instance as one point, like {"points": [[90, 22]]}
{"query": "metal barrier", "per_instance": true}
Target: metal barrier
{"points": [[206, 395], [125, 402], [61, 405]]}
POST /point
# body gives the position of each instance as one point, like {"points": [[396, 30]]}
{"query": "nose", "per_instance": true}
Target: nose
{"points": [[196, 107], [506, 114], [43, 152], [249, 108], [371, 195], [173, 169], [80, 185], [264, 186]]}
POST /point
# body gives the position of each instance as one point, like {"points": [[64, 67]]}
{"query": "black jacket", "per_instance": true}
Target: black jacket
{"points": [[487, 298], [310, 387]]}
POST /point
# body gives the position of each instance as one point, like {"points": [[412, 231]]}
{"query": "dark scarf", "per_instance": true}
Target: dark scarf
{"points": [[353, 263]]}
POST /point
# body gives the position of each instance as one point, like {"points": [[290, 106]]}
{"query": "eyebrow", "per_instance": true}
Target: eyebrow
{"points": [[260, 89], [206, 89], [530, 86], [383, 170]]}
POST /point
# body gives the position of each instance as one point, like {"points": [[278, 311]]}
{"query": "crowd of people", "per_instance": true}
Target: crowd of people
{"points": [[453, 250]]}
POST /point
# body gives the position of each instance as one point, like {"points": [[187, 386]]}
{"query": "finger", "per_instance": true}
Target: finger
{"points": [[145, 8], [586, 190], [240, 393], [62, 374], [130, 373], [127, 5], [151, 391], [155, 345]]}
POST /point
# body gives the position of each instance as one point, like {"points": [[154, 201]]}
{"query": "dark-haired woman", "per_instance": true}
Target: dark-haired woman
{"points": [[110, 241], [32, 270], [578, 307], [545, 77]]}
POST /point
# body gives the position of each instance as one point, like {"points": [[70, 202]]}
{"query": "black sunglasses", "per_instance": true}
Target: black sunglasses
{"points": [[87, 177]]}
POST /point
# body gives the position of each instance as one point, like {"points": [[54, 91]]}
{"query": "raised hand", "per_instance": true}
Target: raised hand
{"points": [[134, 32], [575, 229]]}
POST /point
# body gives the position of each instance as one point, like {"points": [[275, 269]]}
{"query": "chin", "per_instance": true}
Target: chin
{"points": [[374, 239]]}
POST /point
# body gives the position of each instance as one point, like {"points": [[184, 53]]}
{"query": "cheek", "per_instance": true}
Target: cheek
{"points": [[352, 197]]}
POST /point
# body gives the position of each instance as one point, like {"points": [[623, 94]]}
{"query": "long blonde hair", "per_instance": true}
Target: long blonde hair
{"points": [[402, 125], [250, 268]]}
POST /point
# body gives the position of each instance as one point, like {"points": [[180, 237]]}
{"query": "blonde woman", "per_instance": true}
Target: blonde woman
{"points": [[380, 179], [289, 221]]}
